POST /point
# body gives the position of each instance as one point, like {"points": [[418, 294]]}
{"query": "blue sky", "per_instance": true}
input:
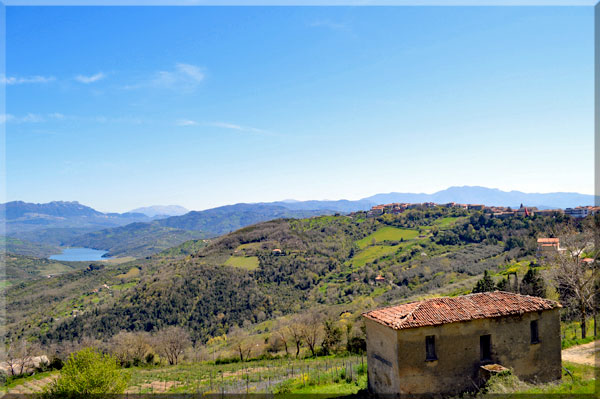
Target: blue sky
{"points": [[205, 106]]}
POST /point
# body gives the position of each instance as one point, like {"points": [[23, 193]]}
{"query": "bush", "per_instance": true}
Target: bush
{"points": [[88, 372], [503, 383]]}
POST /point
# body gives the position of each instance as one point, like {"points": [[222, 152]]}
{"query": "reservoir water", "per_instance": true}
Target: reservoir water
{"points": [[79, 254]]}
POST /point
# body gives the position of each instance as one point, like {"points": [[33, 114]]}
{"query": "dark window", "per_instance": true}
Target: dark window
{"points": [[485, 344], [535, 336], [430, 347]]}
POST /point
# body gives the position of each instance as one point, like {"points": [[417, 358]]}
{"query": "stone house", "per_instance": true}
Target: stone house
{"points": [[547, 246], [439, 345]]}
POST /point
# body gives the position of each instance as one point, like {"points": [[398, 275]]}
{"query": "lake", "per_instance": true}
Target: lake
{"points": [[79, 254]]}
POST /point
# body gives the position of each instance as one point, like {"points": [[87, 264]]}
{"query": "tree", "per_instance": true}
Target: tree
{"points": [[311, 330], [296, 333], [486, 284], [533, 283], [575, 280], [19, 357], [88, 372], [333, 336], [281, 333], [240, 340], [131, 347], [172, 342]]}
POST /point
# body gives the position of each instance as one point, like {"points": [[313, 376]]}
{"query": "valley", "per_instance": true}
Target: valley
{"points": [[243, 294]]}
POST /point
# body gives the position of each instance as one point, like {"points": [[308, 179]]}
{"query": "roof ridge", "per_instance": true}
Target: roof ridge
{"points": [[411, 312], [442, 310]]}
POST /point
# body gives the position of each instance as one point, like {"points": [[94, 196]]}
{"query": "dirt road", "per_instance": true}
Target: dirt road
{"points": [[584, 354]]}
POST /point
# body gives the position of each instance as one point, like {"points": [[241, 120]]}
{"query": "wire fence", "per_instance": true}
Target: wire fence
{"points": [[260, 376]]}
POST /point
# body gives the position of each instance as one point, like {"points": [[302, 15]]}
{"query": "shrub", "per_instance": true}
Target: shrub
{"points": [[88, 372]]}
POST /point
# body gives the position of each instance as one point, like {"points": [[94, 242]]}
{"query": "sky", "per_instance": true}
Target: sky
{"points": [[122, 107]]}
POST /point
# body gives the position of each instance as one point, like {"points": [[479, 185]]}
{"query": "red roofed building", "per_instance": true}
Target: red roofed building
{"points": [[438, 346], [547, 246]]}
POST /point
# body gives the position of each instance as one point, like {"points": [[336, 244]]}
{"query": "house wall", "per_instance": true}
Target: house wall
{"points": [[458, 353], [382, 358]]}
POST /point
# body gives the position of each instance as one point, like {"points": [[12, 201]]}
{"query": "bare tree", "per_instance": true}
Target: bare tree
{"points": [[241, 342], [131, 347], [282, 333], [575, 278], [171, 342], [19, 357], [294, 329], [311, 329]]}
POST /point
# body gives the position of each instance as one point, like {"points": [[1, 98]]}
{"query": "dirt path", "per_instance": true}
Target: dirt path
{"points": [[584, 354]]}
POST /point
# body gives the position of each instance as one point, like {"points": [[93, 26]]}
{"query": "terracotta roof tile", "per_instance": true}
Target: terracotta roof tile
{"points": [[435, 311], [547, 240]]}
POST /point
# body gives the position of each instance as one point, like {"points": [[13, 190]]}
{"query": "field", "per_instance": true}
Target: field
{"points": [[449, 221], [259, 376], [243, 262], [133, 272], [329, 376], [372, 253], [388, 233]]}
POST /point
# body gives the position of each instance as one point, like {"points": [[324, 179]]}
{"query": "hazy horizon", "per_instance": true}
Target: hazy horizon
{"points": [[284, 200]]}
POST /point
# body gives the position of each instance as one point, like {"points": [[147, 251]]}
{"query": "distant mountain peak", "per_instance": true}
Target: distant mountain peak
{"points": [[164, 210]]}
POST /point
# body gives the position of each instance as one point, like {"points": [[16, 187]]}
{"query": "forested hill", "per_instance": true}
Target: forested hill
{"points": [[279, 267], [135, 239], [225, 219]]}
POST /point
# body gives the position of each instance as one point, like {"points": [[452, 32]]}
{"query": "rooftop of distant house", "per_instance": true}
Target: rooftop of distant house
{"points": [[546, 240], [436, 311]]}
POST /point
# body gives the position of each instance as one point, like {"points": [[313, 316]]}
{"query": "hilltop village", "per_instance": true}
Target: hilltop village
{"points": [[489, 211]]}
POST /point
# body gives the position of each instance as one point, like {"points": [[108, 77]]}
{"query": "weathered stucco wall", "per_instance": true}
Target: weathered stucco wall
{"points": [[382, 358], [458, 353]]}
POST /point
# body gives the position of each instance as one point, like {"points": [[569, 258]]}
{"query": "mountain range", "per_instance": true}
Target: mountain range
{"points": [[149, 230], [464, 194]]}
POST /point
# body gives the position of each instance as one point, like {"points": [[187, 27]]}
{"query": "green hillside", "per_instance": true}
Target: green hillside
{"points": [[135, 239], [27, 248], [329, 261], [20, 268]]}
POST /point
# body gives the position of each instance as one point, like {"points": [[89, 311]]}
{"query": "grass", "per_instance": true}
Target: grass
{"points": [[254, 376], [372, 253], [580, 381], [388, 233], [571, 333], [12, 382], [250, 245], [133, 272], [243, 262], [449, 221], [119, 260], [332, 382], [567, 343], [120, 287]]}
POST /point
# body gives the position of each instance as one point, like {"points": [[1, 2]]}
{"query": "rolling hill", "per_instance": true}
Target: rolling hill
{"points": [[238, 279], [18, 217], [225, 219], [135, 239]]}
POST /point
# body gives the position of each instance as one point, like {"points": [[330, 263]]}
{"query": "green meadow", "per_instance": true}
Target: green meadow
{"points": [[388, 233], [243, 262]]}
